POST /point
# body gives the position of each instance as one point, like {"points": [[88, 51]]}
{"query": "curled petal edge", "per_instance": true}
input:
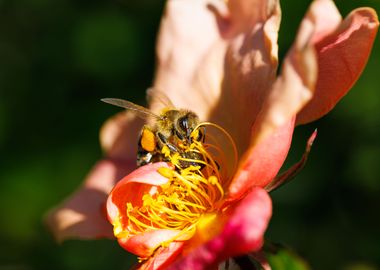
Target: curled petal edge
{"points": [[273, 128], [342, 56]]}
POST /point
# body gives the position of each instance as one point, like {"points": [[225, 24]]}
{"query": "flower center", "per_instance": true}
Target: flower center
{"points": [[191, 191]]}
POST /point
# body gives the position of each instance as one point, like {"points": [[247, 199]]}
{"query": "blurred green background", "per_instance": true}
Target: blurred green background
{"points": [[58, 58]]}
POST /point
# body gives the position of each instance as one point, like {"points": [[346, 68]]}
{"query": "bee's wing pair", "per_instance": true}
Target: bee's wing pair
{"points": [[137, 109], [153, 94]]}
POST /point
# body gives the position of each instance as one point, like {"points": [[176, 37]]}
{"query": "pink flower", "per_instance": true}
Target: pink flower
{"points": [[219, 59]]}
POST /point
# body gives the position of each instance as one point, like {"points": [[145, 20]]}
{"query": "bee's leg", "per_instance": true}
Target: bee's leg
{"points": [[164, 141], [146, 147], [143, 157]]}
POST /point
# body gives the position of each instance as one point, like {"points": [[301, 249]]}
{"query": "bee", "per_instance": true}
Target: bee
{"points": [[172, 128]]}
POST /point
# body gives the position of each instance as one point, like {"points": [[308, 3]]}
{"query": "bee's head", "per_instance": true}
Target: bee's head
{"points": [[185, 125]]}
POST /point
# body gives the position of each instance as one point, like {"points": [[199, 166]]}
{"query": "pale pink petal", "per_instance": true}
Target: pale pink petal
{"points": [[243, 233], [342, 56], [293, 88], [189, 29], [326, 18], [83, 215], [272, 131], [248, 13], [227, 67], [119, 135], [249, 70]]}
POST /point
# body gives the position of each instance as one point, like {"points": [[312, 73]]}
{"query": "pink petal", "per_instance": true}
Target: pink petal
{"points": [[249, 70], [293, 88], [248, 13], [132, 187], [188, 31], [326, 18], [243, 233], [200, 50], [119, 135], [342, 56], [272, 131], [261, 163], [289, 174], [131, 190], [82, 215]]}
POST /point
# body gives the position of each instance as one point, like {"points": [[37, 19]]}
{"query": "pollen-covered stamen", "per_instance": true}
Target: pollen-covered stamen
{"points": [[191, 192], [217, 151], [178, 204]]}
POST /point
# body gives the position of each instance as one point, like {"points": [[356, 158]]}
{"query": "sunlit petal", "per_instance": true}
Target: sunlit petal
{"points": [[342, 56]]}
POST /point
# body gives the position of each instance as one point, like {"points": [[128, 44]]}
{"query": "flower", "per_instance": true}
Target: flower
{"points": [[219, 58]]}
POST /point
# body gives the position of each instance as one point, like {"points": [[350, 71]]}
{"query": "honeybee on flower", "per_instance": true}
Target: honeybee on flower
{"points": [[223, 53], [171, 131]]}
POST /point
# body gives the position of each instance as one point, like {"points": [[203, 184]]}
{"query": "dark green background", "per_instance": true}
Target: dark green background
{"points": [[58, 58]]}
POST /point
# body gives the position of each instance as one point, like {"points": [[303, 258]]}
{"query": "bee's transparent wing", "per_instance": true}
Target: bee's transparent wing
{"points": [[138, 110], [159, 98]]}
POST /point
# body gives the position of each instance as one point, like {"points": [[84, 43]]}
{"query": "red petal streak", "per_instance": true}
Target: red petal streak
{"points": [[82, 214], [341, 59], [242, 233]]}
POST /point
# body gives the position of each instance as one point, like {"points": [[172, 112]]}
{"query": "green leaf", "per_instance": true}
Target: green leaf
{"points": [[284, 259]]}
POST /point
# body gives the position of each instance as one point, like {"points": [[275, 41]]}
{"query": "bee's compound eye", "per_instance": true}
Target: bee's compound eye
{"points": [[183, 123]]}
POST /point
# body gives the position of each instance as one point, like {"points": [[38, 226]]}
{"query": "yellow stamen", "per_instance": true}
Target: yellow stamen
{"points": [[193, 191]]}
